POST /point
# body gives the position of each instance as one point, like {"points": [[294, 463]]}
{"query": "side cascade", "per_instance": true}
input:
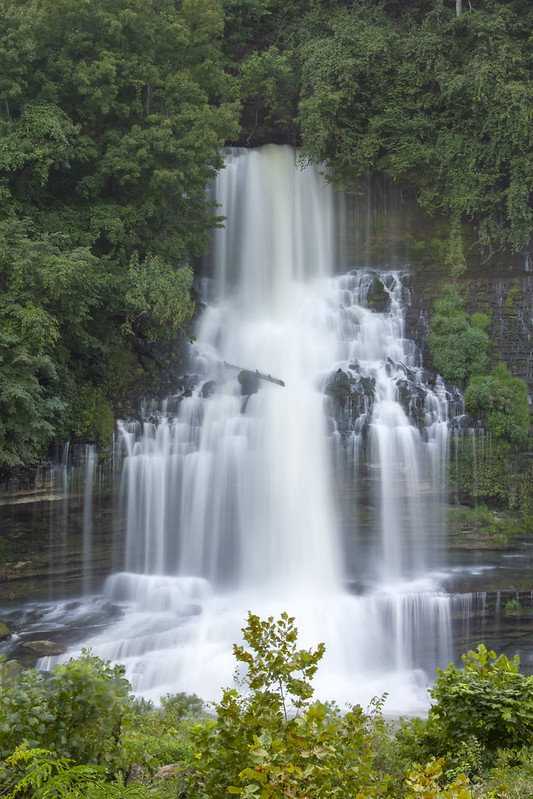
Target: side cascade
{"points": [[300, 467]]}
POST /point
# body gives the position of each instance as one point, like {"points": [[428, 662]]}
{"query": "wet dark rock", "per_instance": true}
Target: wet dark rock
{"points": [[462, 422], [208, 389], [358, 587], [340, 387], [352, 401], [185, 388], [249, 382], [404, 394], [351, 392], [366, 386], [412, 398], [378, 298]]}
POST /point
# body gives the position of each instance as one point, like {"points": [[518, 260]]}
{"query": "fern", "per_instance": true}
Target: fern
{"points": [[43, 775]]}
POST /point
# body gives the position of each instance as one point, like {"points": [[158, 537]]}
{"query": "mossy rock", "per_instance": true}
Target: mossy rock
{"points": [[378, 298], [10, 670], [5, 632]]}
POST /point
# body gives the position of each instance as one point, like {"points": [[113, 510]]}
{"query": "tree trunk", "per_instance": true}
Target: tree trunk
{"points": [[458, 7]]}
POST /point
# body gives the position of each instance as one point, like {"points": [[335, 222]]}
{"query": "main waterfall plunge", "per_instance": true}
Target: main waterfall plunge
{"points": [[246, 495]]}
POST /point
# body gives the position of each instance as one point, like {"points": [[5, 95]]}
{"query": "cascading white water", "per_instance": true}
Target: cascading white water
{"points": [[230, 500], [90, 465]]}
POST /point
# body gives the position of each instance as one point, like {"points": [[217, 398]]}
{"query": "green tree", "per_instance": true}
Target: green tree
{"points": [[271, 740], [472, 134], [459, 349], [112, 118], [142, 98], [480, 711], [48, 296], [349, 65]]}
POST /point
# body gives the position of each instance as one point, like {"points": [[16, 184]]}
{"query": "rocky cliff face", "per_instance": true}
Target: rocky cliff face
{"points": [[42, 531], [388, 228], [502, 288]]}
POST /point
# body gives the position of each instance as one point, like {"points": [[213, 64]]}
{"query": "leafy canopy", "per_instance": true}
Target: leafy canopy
{"points": [[441, 101], [112, 118]]}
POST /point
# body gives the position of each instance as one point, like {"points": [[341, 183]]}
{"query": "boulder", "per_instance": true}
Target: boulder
{"points": [[166, 772], [44, 648], [378, 297], [208, 389], [136, 773], [5, 632], [340, 386]]}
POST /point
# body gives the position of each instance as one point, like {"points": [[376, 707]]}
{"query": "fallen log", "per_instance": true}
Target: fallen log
{"points": [[248, 373]]}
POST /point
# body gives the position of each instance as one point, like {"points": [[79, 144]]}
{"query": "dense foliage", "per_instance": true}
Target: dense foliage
{"points": [[485, 468], [488, 700], [112, 117], [411, 89], [459, 347], [458, 343], [77, 711], [478, 712], [268, 738], [502, 400]]}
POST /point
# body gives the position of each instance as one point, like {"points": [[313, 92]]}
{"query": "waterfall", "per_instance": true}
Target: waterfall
{"points": [[90, 464], [58, 533], [301, 381]]}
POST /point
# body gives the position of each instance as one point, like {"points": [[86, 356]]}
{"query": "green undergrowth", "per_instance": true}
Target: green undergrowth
{"points": [[481, 527], [485, 470], [80, 733]]}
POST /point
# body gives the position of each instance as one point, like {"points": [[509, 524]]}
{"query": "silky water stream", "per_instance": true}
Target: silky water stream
{"points": [[247, 495]]}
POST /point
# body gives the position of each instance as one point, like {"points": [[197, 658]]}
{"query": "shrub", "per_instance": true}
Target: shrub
{"points": [[76, 711], [488, 701], [481, 470], [501, 400], [159, 736], [458, 344], [176, 708], [91, 416], [512, 775]]}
